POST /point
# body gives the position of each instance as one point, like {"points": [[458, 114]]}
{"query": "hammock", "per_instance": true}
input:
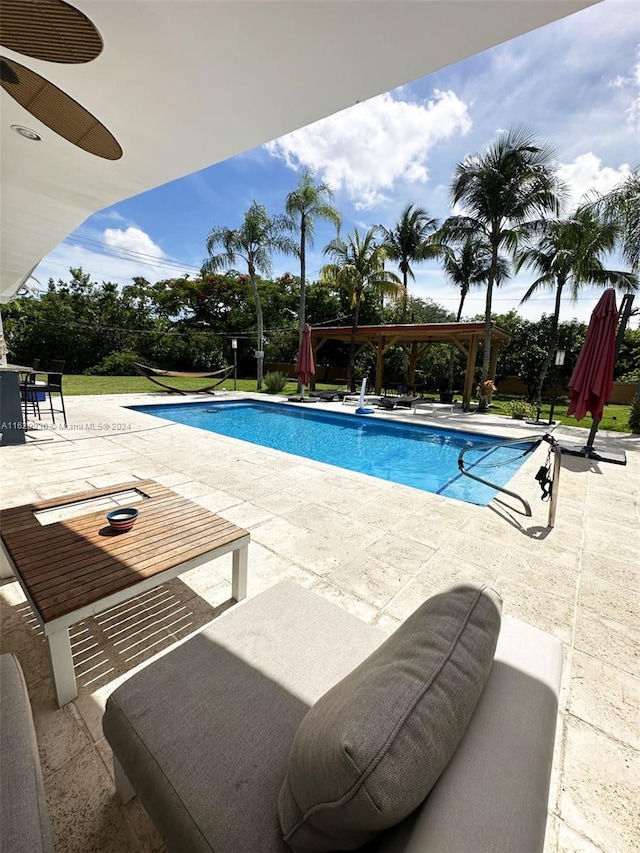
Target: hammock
{"points": [[151, 373]]}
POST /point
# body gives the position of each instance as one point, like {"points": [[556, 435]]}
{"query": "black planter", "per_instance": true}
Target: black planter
{"points": [[446, 397]]}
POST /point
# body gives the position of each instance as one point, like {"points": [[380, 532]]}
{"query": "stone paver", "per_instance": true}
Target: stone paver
{"points": [[375, 548]]}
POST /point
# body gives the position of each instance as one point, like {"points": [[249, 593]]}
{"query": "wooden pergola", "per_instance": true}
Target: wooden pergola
{"points": [[417, 337]]}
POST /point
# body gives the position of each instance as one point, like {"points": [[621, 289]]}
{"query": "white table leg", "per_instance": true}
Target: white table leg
{"points": [[64, 679], [239, 573]]}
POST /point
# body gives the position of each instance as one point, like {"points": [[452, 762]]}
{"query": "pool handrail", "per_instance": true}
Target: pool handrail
{"points": [[535, 441]]}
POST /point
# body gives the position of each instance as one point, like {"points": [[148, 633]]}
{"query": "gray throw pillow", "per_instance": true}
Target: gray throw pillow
{"points": [[370, 750]]}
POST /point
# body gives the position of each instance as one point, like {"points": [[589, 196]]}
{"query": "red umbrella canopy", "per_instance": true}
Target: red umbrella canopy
{"points": [[305, 368], [592, 379]]}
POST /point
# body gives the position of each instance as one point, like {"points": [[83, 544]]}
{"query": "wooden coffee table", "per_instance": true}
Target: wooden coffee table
{"points": [[72, 569]]}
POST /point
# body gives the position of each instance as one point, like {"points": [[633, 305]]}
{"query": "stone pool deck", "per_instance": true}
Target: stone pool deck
{"points": [[378, 550]]}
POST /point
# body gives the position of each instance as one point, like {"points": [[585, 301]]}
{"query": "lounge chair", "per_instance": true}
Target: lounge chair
{"points": [[393, 402], [151, 373], [329, 396], [429, 407]]}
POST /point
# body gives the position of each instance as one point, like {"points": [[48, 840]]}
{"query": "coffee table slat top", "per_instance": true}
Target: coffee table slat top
{"points": [[69, 564]]}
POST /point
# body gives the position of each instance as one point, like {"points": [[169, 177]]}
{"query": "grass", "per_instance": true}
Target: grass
{"points": [[74, 385], [615, 417]]}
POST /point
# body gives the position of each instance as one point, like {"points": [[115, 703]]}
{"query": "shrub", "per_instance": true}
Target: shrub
{"points": [[116, 364], [520, 409], [275, 382]]}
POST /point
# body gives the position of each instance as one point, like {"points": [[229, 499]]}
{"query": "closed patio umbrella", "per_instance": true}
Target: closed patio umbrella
{"points": [[592, 378]]}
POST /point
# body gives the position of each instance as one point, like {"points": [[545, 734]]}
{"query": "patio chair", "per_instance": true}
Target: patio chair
{"points": [[34, 389], [151, 373], [30, 397]]}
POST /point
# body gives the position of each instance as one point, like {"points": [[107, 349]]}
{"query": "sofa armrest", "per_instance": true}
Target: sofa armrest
{"points": [[23, 809]]}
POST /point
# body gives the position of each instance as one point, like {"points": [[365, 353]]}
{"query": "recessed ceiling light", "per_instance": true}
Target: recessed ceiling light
{"points": [[26, 132]]}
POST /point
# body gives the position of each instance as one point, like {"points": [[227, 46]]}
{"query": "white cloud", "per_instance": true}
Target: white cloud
{"points": [[118, 269], [368, 147], [631, 84], [134, 241], [586, 174]]}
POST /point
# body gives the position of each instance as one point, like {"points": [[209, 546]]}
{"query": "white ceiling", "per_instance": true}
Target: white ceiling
{"points": [[183, 84]]}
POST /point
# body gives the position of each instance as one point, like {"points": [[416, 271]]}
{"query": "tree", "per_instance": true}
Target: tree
{"points": [[358, 268], [305, 204], [258, 236], [466, 265], [500, 191], [408, 242], [568, 254], [622, 207]]}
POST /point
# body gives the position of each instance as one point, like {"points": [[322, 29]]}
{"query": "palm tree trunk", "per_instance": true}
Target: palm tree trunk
{"points": [[405, 354], [486, 355], [452, 350], [553, 340], [303, 274], [260, 330], [352, 347]]}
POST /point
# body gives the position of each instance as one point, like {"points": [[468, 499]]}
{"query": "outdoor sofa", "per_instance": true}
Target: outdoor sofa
{"points": [[24, 820], [289, 724]]}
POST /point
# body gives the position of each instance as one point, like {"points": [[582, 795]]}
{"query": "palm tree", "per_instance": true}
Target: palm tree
{"points": [[569, 254], [500, 191], [258, 236], [358, 267], [409, 242], [622, 205], [466, 265], [308, 202]]}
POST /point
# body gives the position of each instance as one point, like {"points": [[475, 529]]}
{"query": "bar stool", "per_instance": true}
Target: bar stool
{"points": [[52, 386]]}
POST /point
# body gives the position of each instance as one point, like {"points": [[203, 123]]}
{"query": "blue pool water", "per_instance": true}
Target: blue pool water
{"points": [[415, 456]]}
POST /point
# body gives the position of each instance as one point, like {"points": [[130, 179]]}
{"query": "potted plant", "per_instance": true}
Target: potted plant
{"points": [[485, 391]]}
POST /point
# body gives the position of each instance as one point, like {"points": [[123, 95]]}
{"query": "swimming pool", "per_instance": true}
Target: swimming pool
{"points": [[412, 455]]}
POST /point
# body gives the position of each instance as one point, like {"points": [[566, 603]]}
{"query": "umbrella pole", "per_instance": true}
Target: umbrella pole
{"points": [[592, 434]]}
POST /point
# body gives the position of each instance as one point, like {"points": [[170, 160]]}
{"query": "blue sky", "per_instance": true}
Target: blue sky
{"points": [[575, 83]]}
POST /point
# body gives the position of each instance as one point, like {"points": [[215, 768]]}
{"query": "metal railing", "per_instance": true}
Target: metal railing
{"points": [[535, 441]]}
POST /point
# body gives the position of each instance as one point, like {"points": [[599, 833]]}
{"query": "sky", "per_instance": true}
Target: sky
{"points": [[575, 84]]}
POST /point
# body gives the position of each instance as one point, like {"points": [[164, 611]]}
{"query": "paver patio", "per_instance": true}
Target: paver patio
{"points": [[376, 548]]}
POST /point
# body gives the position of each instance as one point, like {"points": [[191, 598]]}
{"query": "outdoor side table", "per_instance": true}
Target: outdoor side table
{"points": [[72, 569]]}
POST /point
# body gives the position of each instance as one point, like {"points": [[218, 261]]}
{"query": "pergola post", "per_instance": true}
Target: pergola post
{"points": [[469, 372], [411, 376]]}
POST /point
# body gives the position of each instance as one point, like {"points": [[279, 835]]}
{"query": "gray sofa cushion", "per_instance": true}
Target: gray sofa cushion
{"points": [[24, 821], [493, 793], [368, 753], [203, 733]]}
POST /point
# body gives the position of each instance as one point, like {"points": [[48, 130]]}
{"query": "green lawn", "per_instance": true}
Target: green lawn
{"points": [[74, 385], [615, 417]]}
